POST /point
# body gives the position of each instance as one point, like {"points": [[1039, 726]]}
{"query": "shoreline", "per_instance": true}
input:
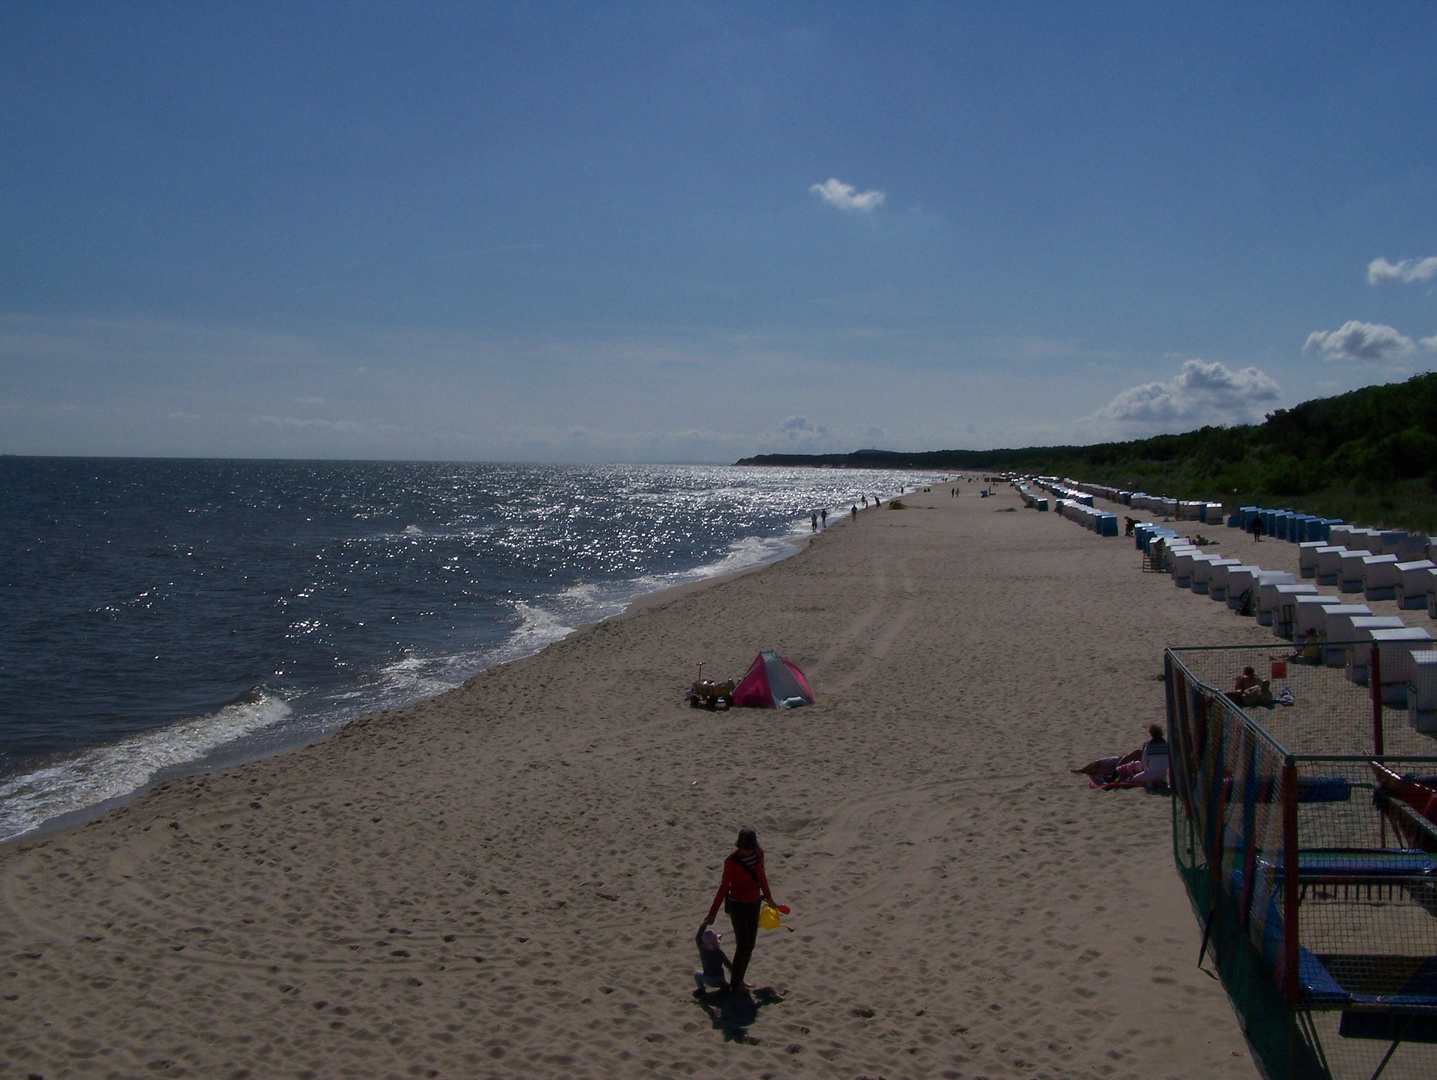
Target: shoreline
{"points": [[237, 755], [505, 878]]}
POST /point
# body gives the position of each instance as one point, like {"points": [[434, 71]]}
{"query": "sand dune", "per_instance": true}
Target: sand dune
{"points": [[505, 881]]}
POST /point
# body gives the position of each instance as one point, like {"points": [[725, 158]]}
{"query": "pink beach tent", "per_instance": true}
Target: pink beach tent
{"points": [[772, 683]]}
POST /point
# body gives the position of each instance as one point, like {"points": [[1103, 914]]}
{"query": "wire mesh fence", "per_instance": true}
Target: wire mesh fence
{"points": [[1308, 852], [1316, 699]]}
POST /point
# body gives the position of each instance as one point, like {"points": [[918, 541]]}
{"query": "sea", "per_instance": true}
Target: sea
{"points": [[161, 617]]}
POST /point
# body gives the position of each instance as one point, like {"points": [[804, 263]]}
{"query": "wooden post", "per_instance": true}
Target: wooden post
{"points": [[1291, 986], [1374, 683]]}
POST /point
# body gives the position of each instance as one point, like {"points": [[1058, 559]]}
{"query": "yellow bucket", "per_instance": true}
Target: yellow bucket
{"points": [[768, 916]]}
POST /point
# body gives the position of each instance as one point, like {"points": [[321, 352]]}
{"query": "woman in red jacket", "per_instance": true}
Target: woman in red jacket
{"points": [[743, 889]]}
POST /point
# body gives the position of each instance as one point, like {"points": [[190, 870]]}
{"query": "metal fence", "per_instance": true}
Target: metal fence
{"points": [[1305, 845]]}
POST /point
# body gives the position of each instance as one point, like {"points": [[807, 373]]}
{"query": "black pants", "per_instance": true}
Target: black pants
{"points": [[745, 933]]}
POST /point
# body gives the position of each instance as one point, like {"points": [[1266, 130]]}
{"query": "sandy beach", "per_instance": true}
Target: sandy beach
{"points": [[506, 880]]}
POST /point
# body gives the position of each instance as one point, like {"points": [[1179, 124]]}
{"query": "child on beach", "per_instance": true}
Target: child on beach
{"points": [[711, 956]]}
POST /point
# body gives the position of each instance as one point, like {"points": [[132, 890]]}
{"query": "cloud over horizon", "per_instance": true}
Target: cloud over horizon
{"points": [[846, 197], [1380, 271], [1360, 341], [1202, 392]]}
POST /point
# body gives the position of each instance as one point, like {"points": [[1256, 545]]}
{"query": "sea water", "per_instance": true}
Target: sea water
{"points": [[162, 617]]}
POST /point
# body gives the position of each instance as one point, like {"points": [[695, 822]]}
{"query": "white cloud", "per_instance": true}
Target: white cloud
{"points": [[1429, 343], [801, 427], [1380, 271], [351, 426], [1202, 392], [1359, 341], [846, 196]]}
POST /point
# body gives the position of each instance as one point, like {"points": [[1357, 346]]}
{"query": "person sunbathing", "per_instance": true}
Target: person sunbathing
{"points": [[1248, 689], [1147, 765]]}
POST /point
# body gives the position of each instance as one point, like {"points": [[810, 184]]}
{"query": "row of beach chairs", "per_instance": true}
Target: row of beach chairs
{"points": [[1031, 498], [1307, 528], [1206, 513], [1337, 632], [1071, 503]]}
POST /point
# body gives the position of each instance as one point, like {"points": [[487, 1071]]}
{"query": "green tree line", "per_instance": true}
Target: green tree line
{"points": [[1368, 456]]}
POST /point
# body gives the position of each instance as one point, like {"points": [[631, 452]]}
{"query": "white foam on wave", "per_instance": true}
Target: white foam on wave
{"points": [[581, 592], [414, 677], [749, 551], [742, 554], [92, 777], [537, 627]]}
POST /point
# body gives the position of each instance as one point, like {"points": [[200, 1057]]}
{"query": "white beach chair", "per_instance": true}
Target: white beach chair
{"points": [[1422, 692], [1217, 577], [1202, 572], [1337, 631], [1329, 563], [1413, 583], [1311, 614], [1349, 570], [1307, 557], [1180, 559], [1395, 649], [1362, 628], [1379, 577], [1222, 578], [1276, 607]]}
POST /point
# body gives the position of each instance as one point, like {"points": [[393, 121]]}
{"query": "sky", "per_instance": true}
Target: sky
{"points": [[678, 231]]}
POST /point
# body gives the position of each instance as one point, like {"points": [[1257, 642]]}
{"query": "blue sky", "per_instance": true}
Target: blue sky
{"points": [[691, 232]]}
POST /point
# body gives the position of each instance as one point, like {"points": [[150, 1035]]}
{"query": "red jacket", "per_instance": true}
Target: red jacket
{"points": [[740, 884]]}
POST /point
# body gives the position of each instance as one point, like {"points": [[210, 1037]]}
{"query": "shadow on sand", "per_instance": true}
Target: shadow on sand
{"points": [[734, 1011]]}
